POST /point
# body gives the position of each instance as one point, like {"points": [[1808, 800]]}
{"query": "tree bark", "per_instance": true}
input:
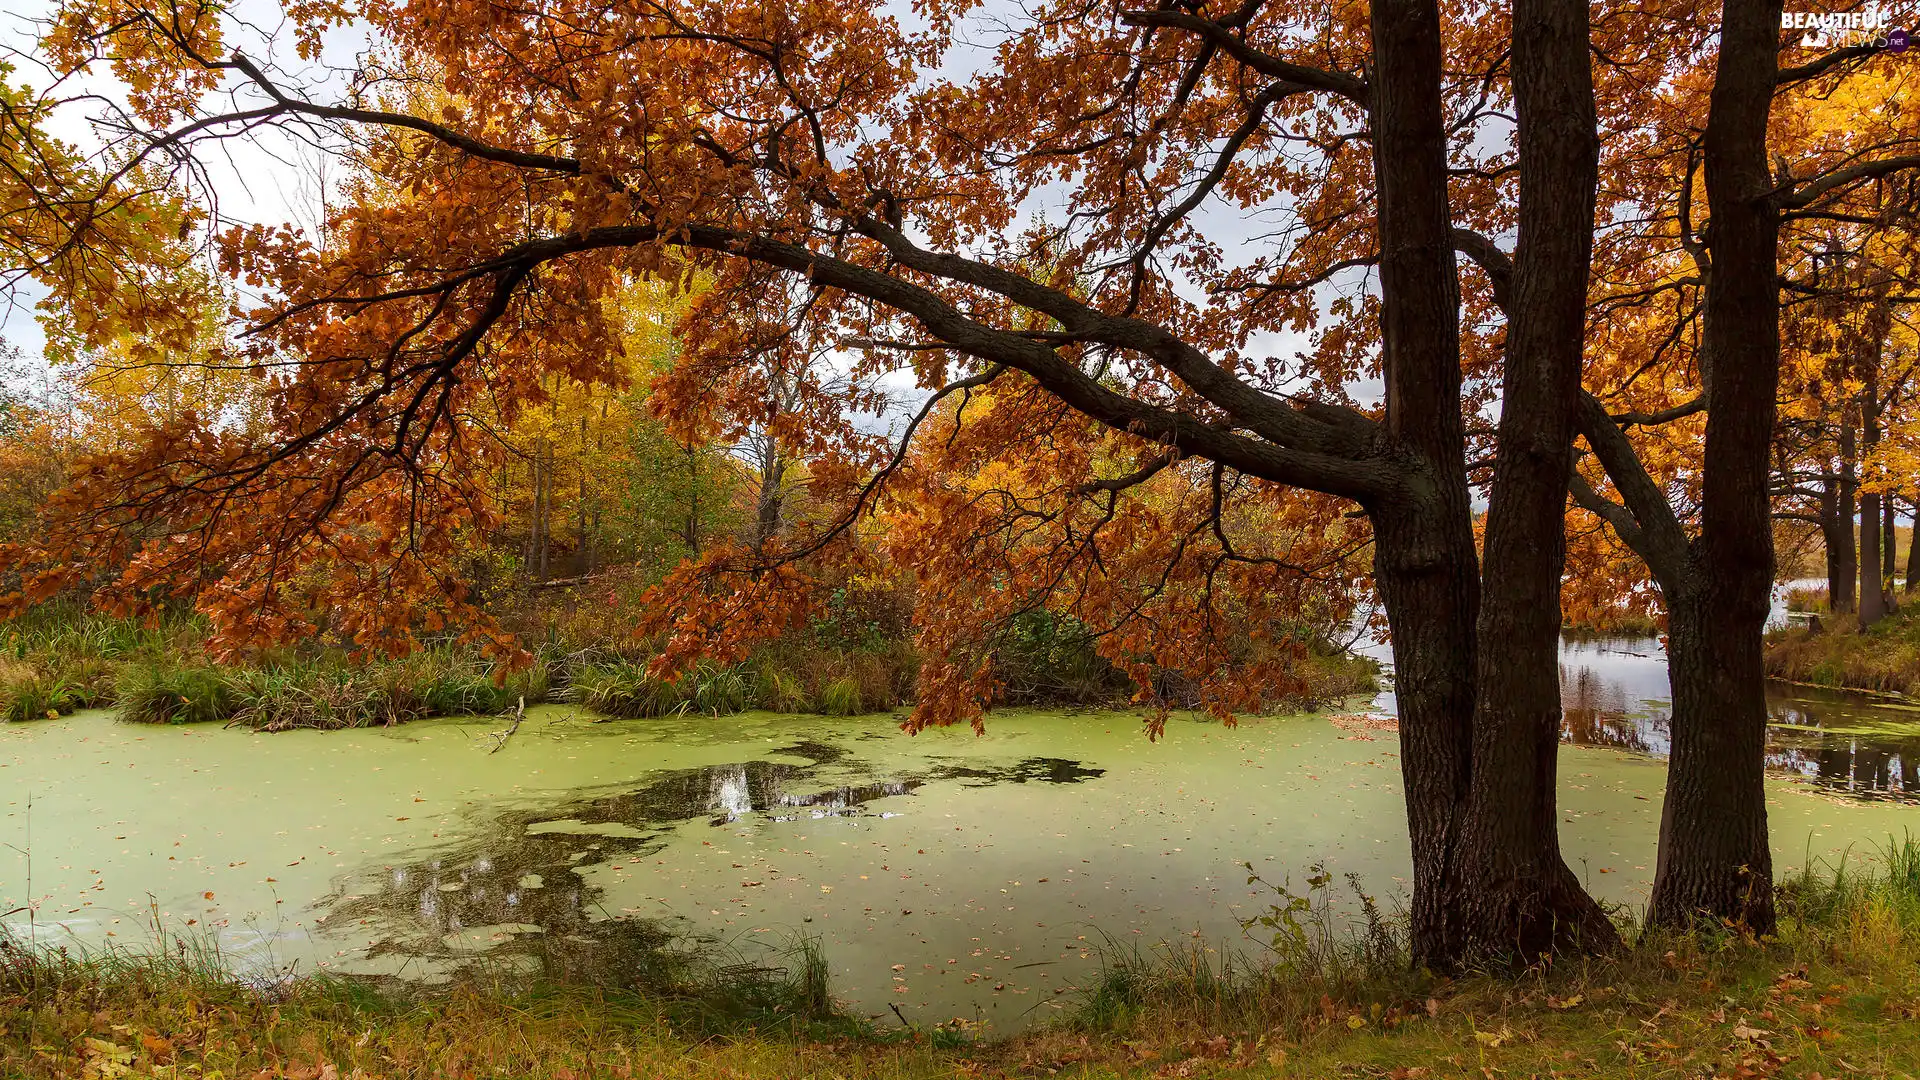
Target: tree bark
{"points": [[1715, 862], [1873, 595], [1889, 555], [1512, 893], [1913, 546], [1836, 530], [1889, 540], [1425, 566], [1842, 590]]}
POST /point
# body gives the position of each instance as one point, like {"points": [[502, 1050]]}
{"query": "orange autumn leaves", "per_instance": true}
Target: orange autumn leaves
{"points": [[517, 171]]}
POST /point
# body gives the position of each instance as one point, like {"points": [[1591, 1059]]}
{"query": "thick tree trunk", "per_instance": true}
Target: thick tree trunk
{"points": [[1425, 565], [1873, 597], [1715, 861], [1424, 568], [1513, 894], [1714, 858]]}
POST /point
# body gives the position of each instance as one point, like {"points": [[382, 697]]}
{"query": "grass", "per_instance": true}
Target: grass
{"points": [[1615, 625], [59, 658], [782, 678], [1814, 600], [162, 693], [1883, 659], [1835, 994]]}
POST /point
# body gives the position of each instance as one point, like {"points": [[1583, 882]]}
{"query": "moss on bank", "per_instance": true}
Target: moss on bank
{"points": [[1836, 994], [1883, 659]]}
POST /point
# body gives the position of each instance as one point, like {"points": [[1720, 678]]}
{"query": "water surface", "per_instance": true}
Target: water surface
{"points": [[943, 873]]}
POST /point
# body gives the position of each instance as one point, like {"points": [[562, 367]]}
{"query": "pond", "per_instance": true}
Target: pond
{"points": [[946, 874]]}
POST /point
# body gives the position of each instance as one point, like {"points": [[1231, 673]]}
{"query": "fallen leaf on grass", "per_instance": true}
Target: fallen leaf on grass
{"points": [[1494, 1039]]}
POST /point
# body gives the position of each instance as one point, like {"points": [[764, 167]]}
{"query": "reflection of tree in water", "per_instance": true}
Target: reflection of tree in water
{"points": [[1596, 712], [519, 871], [1599, 711], [1872, 765], [1037, 770]]}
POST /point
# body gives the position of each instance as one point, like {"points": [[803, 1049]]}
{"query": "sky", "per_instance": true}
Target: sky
{"points": [[270, 179]]}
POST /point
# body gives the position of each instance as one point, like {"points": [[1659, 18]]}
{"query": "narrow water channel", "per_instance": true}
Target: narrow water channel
{"points": [[946, 874]]}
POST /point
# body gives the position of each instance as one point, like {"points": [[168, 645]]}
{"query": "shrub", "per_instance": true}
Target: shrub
{"points": [[1041, 657], [1804, 599], [312, 696], [151, 693]]}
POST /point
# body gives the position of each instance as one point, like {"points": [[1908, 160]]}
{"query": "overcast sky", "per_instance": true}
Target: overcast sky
{"points": [[272, 178]]}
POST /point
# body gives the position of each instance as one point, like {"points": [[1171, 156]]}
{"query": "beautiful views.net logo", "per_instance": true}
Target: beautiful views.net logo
{"points": [[1844, 29]]}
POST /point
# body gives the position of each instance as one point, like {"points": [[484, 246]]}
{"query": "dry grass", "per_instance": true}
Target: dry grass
{"points": [[1884, 659], [1835, 995]]}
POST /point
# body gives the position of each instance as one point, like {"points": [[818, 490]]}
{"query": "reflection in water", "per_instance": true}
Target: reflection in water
{"points": [[1615, 694], [516, 885]]}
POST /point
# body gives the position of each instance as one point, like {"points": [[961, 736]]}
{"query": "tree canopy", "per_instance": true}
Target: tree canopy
{"points": [[1169, 317]]}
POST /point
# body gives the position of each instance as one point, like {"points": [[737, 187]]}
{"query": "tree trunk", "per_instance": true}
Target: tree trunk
{"points": [[1714, 857], [1842, 592], [1513, 895], [543, 505], [1873, 594], [1836, 531], [1425, 566], [1715, 862], [584, 560], [690, 534], [1889, 540], [773, 470], [1913, 546], [1425, 570]]}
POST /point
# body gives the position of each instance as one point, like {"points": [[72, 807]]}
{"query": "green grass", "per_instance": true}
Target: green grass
{"points": [[1835, 994], [59, 659], [841, 697], [160, 693], [1882, 659], [623, 689]]}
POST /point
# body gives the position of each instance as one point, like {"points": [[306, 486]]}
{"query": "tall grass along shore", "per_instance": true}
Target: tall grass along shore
{"points": [[1835, 994], [1884, 658], [58, 662]]}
